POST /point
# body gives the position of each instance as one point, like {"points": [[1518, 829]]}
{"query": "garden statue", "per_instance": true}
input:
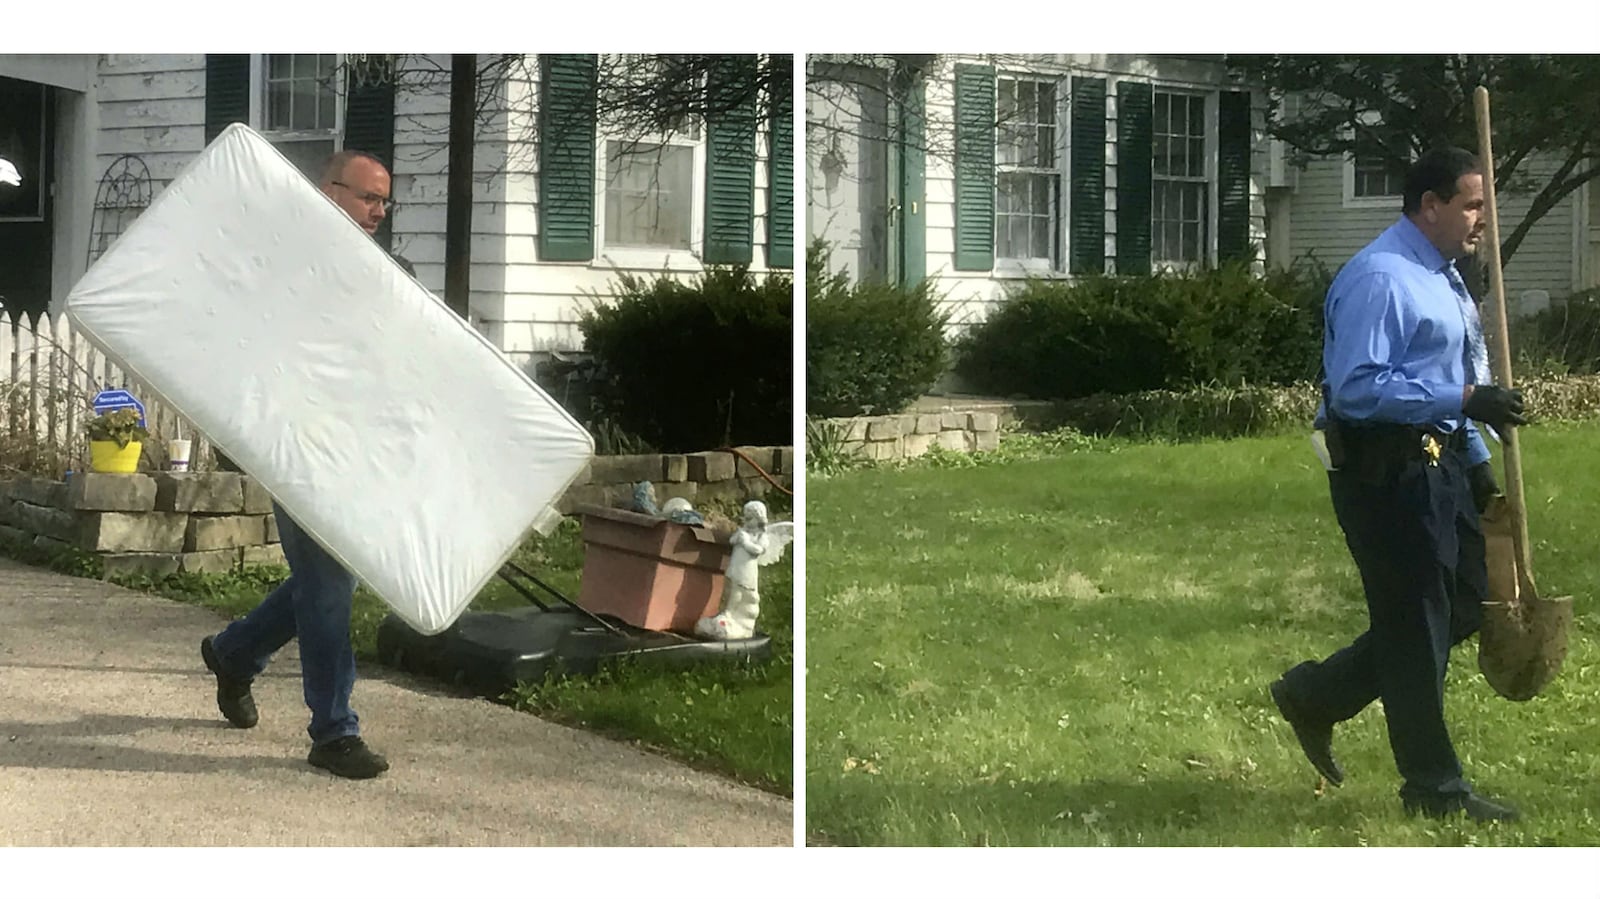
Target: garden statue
{"points": [[755, 544]]}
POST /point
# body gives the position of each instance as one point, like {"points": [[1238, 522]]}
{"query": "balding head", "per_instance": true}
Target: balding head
{"points": [[360, 184]]}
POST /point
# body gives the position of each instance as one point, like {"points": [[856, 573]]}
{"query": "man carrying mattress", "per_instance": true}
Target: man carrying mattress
{"points": [[313, 605]]}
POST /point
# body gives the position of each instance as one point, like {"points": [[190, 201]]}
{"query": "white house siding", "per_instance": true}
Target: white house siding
{"points": [[421, 186], [154, 106], [970, 295], [526, 306], [1324, 226]]}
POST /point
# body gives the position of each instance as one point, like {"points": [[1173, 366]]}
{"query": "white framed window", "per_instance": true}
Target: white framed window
{"points": [[1370, 180], [1027, 204], [651, 196], [650, 188], [297, 103], [1181, 185]]}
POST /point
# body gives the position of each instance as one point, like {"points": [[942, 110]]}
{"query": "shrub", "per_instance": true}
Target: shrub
{"points": [[1051, 339], [870, 347], [1194, 413], [1564, 339], [694, 366], [1122, 334]]}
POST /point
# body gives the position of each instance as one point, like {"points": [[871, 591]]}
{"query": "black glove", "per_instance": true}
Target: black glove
{"points": [[1484, 488], [1495, 406]]}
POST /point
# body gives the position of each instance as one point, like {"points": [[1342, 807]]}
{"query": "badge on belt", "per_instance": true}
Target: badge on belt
{"points": [[1432, 448]]}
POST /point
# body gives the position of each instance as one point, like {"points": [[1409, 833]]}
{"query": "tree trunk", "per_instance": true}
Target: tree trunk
{"points": [[458, 202]]}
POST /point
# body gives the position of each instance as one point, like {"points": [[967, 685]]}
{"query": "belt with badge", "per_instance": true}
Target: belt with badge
{"points": [[1377, 452]]}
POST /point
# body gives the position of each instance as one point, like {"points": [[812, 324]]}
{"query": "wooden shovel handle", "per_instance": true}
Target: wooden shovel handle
{"points": [[1501, 342]]}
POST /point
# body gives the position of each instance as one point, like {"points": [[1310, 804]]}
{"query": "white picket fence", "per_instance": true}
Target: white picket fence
{"points": [[48, 379]]}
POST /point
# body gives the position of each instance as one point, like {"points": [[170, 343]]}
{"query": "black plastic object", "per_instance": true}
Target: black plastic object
{"points": [[490, 652]]}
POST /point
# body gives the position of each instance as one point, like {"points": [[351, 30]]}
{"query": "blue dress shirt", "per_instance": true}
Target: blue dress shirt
{"points": [[1394, 341]]}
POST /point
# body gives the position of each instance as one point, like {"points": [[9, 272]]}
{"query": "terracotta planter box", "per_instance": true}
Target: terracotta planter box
{"points": [[650, 572]]}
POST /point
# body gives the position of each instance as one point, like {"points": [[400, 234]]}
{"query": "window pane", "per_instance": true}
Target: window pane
{"points": [[1047, 146], [1040, 241], [648, 196], [303, 112], [1047, 103], [307, 155], [1027, 101], [280, 65], [278, 105]]}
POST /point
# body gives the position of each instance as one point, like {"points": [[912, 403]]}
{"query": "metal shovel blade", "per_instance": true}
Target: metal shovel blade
{"points": [[1523, 639]]}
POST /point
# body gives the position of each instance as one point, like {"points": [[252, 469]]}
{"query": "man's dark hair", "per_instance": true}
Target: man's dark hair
{"points": [[333, 169], [1437, 170]]}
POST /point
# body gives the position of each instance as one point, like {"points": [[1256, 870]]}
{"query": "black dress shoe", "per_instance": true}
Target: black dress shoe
{"points": [[233, 695], [1316, 739], [1476, 807]]}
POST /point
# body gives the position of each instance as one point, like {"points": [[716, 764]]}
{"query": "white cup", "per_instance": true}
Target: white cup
{"points": [[178, 455]]}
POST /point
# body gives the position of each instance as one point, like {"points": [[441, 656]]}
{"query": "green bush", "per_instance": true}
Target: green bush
{"points": [[870, 347], [1123, 334], [1564, 339], [1195, 413], [694, 366]]}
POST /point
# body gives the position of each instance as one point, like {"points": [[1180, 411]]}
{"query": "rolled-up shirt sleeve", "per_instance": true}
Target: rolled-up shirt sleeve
{"points": [[1363, 382]]}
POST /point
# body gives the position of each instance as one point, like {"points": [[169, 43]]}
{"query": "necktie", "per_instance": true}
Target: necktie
{"points": [[1475, 352]]}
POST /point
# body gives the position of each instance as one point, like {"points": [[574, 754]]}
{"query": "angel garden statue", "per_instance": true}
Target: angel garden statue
{"points": [[755, 544]]}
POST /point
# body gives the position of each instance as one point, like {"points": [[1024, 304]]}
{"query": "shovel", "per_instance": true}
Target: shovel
{"points": [[1523, 639]]}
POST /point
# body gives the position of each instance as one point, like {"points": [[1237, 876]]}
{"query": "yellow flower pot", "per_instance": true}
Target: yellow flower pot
{"points": [[105, 455]]}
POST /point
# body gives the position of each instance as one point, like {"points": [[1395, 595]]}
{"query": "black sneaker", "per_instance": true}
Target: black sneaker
{"points": [[1474, 806], [1316, 739], [233, 695], [348, 757]]}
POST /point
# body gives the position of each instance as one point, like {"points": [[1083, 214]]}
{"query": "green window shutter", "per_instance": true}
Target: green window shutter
{"points": [[227, 91], [566, 157], [1135, 136], [1233, 176], [974, 212], [1087, 229], [369, 127], [731, 160], [780, 165]]}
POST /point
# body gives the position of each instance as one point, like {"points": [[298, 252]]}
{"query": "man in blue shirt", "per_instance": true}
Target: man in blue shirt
{"points": [[1406, 374]]}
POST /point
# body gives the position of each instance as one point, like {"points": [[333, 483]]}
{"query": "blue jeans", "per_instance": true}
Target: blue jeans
{"points": [[314, 606]]}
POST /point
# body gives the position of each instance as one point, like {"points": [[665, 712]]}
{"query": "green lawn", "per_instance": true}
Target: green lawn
{"points": [[737, 720], [1074, 650]]}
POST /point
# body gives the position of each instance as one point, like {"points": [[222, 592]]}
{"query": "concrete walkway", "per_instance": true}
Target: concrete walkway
{"points": [[110, 736]]}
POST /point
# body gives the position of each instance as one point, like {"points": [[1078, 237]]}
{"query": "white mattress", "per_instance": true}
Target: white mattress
{"points": [[405, 443]]}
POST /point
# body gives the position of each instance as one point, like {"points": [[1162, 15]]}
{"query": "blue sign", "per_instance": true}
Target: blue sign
{"points": [[112, 400]]}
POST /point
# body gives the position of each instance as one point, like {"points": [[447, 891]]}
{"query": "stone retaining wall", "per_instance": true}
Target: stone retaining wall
{"points": [[910, 434], [699, 478], [156, 523], [164, 522]]}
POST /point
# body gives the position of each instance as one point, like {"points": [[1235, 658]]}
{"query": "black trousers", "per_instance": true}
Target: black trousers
{"points": [[1415, 538]]}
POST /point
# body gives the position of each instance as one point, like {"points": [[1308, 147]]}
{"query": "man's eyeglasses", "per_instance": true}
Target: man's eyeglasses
{"points": [[387, 203]]}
